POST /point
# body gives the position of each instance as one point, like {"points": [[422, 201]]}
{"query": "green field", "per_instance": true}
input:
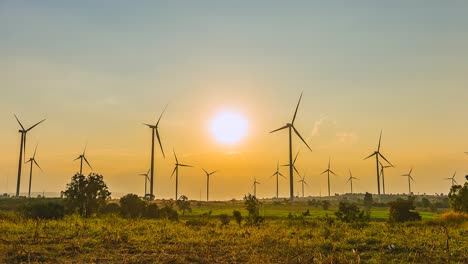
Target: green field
{"points": [[199, 237]]}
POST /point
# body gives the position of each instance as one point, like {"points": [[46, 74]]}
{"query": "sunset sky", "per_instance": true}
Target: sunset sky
{"points": [[97, 70]]}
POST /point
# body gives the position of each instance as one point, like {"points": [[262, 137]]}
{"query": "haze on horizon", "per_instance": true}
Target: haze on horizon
{"points": [[98, 70]]}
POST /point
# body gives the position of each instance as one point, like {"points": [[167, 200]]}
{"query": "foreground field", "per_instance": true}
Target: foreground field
{"points": [[202, 239]]}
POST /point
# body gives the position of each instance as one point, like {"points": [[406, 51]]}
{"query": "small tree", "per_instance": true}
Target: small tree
{"points": [[252, 205], [183, 204], [403, 210], [86, 195], [325, 205], [458, 198], [425, 202], [368, 201], [225, 219], [131, 206], [152, 211]]}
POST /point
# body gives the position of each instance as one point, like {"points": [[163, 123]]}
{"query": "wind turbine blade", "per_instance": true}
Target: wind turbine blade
{"points": [[175, 156], [29, 160], [159, 119], [323, 172], [85, 147], [380, 138], [147, 125], [295, 158], [159, 140], [350, 175], [348, 179], [23, 126], [88, 163], [35, 125], [282, 175], [34, 155], [294, 167], [213, 172], [380, 154], [38, 165], [279, 173], [411, 178], [184, 165], [148, 172], [281, 128], [454, 175], [172, 174], [297, 107], [77, 158], [409, 174], [306, 183], [205, 171], [333, 173], [370, 156], [299, 135]]}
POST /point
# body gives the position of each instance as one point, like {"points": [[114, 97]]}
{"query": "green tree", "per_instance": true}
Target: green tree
{"points": [[403, 210], [86, 195], [183, 204], [458, 197], [131, 206], [368, 201], [237, 216], [325, 205], [425, 202]]}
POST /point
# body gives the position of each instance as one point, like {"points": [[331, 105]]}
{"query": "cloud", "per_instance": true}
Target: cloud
{"points": [[327, 133]]}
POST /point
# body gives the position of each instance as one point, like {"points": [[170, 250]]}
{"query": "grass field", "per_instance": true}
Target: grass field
{"points": [[199, 237]]}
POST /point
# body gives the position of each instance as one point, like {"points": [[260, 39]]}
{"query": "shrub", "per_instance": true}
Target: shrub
{"points": [[131, 206], [111, 208], [152, 211], [183, 204], [237, 216], [368, 201], [325, 205], [455, 217], [348, 212], [225, 219], [168, 212], [44, 210], [252, 205], [403, 210]]}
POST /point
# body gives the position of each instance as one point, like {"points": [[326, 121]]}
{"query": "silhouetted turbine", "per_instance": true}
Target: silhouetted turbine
{"points": [[328, 174], [32, 160], [277, 174], [302, 181], [377, 154], [382, 172], [409, 180], [454, 182], [350, 180], [81, 158], [290, 127], [155, 131], [208, 174], [176, 171], [255, 186], [23, 132], [146, 181]]}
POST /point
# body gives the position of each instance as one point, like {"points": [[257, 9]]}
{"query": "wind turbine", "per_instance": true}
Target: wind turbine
{"points": [[146, 181], [208, 174], [409, 180], [32, 160], [176, 171], [277, 174], [81, 158], [382, 170], [302, 181], [377, 154], [291, 127], [255, 187], [328, 174], [23, 132], [350, 180], [154, 131], [452, 179], [293, 164]]}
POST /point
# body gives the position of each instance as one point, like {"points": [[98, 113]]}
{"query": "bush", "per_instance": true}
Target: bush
{"points": [[237, 216], [168, 212], [183, 204], [403, 210], [252, 205], [350, 213], [43, 210], [152, 211], [131, 206], [368, 201], [225, 219], [325, 205], [455, 217], [111, 208]]}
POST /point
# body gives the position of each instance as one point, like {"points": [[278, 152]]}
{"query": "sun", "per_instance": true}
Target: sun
{"points": [[229, 127]]}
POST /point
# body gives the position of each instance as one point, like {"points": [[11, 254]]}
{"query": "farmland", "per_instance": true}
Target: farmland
{"points": [[200, 237]]}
